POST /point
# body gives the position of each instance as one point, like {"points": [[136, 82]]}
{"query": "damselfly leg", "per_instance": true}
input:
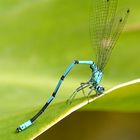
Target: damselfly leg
{"points": [[80, 88]]}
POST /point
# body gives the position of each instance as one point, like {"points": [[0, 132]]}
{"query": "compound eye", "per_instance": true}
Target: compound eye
{"points": [[100, 89]]}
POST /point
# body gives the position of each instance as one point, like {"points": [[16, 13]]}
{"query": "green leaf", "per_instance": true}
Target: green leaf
{"points": [[38, 40]]}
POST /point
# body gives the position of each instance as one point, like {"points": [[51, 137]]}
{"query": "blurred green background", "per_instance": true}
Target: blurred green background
{"points": [[40, 38]]}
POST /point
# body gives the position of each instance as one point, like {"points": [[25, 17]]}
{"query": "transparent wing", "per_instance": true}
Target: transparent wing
{"points": [[109, 41], [98, 19], [105, 28]]}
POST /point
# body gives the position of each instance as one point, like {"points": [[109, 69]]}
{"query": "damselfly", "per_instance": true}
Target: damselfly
{"points": [[105, 28]]}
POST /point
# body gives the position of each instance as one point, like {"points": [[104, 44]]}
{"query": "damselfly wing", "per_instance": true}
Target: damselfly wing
{"points": [[105, 28]]}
